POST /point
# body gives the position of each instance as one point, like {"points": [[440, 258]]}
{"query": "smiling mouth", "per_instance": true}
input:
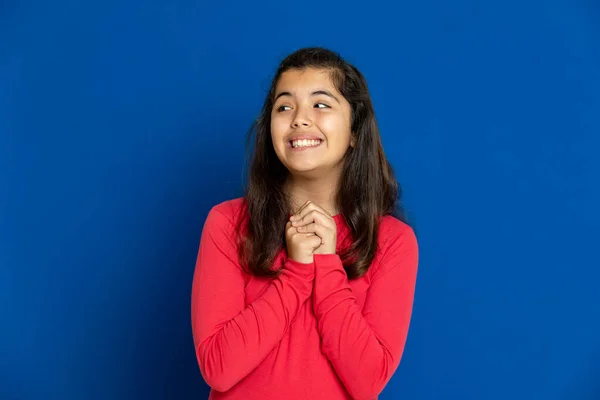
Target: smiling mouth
{"points": [[305, 143]]}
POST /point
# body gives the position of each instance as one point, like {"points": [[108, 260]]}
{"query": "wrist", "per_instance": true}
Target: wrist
{"points": [[304, 270], [301, 261], [327, 260], [324, 251]]}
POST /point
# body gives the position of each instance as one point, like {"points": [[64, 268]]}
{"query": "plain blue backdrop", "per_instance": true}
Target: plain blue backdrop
{"points": [[123, 123]]}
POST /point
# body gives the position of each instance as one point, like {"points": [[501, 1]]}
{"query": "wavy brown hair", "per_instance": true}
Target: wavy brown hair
{"points": [[367, 189]]}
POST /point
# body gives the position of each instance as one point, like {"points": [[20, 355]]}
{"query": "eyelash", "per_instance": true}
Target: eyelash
{"points": [[280, 108]]}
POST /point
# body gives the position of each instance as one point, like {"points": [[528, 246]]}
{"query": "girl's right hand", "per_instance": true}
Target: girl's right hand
{"points": [[300, 246]]}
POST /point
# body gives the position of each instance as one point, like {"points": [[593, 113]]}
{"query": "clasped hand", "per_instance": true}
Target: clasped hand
{"points": [[311, 230]]}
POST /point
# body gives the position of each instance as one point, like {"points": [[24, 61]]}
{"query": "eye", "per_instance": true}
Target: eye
{"points": [[321, 105], [283, 108]]}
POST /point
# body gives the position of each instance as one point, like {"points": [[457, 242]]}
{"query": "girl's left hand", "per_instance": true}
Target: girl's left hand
{"points": [[313, 219]]}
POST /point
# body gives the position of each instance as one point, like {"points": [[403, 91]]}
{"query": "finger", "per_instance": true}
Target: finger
{"points": [[313, 207], [307, 217], [313, 238], [300, 233], [302, 207], [324, 211], [290, 230], [308, 205], [312, 217], [314, 228]]}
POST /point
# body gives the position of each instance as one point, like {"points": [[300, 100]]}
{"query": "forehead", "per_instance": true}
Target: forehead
{"points": [[305, 80]]}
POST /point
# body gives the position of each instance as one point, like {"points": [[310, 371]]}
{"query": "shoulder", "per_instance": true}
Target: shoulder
{"points": [[230, 209], [392, 230], [226, 214], [397, 245]]}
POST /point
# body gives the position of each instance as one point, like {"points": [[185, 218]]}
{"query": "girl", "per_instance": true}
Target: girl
{"points": [[303, 288]]}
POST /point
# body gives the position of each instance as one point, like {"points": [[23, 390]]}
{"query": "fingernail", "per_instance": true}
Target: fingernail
{"points": [[292, 218]]}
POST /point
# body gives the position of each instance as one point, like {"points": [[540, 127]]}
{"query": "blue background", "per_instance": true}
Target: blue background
{"points": [[122, 123]]}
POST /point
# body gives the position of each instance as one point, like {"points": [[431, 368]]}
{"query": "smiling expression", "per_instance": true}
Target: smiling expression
{"points": [[310, 122]]}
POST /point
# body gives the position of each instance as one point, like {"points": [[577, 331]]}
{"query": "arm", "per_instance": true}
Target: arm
{"points": [[231, 339], [365, 347]]}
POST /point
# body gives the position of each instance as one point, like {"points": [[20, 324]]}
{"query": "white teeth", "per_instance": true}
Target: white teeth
{"points": [[305, 143]]}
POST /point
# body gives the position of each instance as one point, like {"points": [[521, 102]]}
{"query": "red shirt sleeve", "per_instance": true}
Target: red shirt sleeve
{"points": [[223, 325], [365, 347]]}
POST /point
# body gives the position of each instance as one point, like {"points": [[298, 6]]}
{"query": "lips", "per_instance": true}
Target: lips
{"points": [[304, 140], [301, 143]]}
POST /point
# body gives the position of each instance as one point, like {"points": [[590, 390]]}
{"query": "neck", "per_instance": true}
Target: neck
{"points": [[320, 191]]}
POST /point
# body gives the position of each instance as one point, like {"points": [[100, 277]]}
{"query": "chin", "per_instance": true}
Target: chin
{"points": [[302, 170]]}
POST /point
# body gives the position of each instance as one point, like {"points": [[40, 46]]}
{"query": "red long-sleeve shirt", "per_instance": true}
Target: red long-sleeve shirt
{"points": [[310, 333]]}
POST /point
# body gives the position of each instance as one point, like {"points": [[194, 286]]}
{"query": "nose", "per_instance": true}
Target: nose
{"points": [[302, 118]]}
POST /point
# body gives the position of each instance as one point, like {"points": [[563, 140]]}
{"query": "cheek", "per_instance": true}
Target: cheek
{"points": [[278, 132], [337, 129], [277, 129]]}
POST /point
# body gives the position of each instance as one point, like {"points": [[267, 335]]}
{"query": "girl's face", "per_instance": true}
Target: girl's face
{"points": [[310, 122]]}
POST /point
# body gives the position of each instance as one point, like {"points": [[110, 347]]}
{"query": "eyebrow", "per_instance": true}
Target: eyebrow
{"points": [[315, 93]]}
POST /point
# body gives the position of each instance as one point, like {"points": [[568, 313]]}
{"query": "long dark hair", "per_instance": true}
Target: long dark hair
{"points": [[367, 189]]}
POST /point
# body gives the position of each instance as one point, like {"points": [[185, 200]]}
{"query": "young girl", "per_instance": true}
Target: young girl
{"points": [[303, 288]]}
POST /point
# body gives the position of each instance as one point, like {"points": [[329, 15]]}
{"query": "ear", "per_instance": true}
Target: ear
{"points": [[353, 140]]}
